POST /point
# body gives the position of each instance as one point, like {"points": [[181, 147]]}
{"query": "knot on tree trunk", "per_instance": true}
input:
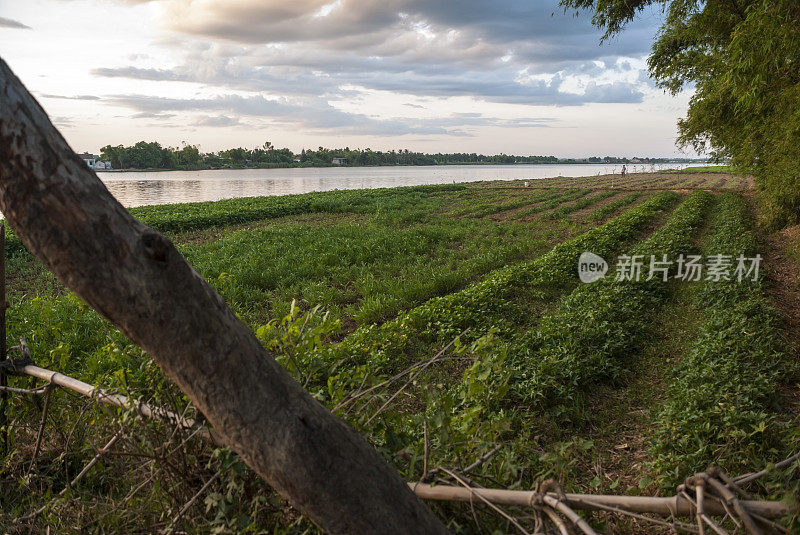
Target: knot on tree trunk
{"points": [[156, 247]]}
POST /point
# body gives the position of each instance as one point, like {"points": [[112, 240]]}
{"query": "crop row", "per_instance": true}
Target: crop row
{"points": [[598, 325], [612, 207], [570, 195], [488, 304], [489, 208], [194, 216], [365, 271], [723, 393], [580, 204], [202, 215]]}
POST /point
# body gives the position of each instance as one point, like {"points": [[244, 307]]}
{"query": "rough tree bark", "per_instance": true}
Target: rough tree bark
{"points": [[136, 279]]}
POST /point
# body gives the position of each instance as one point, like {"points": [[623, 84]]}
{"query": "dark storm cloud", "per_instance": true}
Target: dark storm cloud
{"points": [[540, 31], [10, 23], [314, 51]]}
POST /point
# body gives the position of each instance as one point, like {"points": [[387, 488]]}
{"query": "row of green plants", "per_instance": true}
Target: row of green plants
{"points": [[486, 202], [613, 207], [494, 304], [723, 400], [366, 270], [518, 201], [570, 195], [66, 335], [185, 217], [588, 338], [195, 216], [580, 204]]}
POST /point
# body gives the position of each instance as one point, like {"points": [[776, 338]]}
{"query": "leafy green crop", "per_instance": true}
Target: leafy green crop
{"points": [[595, 327], [722, 396], [579, 205], [612, 207], [484, 306]]}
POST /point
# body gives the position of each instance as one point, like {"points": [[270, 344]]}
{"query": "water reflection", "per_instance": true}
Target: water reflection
{"points": [[138, 189]]}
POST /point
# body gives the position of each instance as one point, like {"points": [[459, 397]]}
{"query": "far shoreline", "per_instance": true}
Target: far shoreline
{"points": [[470, 164]]}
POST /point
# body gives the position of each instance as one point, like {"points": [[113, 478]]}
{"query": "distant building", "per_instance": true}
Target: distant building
{"points": [[297, 159], [340, 161], [90, 159]]}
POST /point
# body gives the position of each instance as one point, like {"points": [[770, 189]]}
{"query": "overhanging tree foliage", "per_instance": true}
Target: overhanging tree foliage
{"points": [[743, 58]]}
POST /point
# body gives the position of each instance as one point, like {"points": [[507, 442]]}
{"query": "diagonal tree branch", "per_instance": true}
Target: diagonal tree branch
{"points": [[136, 279]]}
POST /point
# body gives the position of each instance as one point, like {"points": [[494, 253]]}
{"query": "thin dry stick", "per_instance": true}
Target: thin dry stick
{"points": [[730, 498], [394, 378], [194, 498], [410, 380], [746, 478], [681, 505], [482, 459], [769, 523], [487, 502], [31, 391], [732, 485], [704, 517], [701, 500], [557, 520], [117, 400], [77, 478], [574, 517], [49, 390], [713, 525], [425, 451], [673, 524]]}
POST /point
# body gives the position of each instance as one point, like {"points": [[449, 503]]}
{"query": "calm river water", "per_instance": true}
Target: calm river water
{"points": [[139, 189]]}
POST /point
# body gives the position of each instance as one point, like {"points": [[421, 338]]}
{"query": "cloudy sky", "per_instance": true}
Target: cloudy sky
{"points": [[514, 76]]}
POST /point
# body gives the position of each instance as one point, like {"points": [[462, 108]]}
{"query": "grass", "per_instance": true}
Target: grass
{"points": [[348, 289], [722, 397], [707, 169]]}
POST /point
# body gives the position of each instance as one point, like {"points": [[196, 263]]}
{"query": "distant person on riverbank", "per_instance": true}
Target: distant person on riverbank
{"points": [[624, 170]]}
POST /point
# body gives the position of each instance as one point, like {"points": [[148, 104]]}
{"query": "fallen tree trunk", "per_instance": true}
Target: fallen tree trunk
{"points": [[134, 277]]}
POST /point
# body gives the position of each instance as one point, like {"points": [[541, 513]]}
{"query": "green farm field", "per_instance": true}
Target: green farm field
{"points": [[446, 324]]}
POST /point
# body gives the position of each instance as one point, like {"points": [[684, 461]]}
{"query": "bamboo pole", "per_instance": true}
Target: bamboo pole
{"points": [[671, 506], [667, 506], [664, 506], [116, 400]]}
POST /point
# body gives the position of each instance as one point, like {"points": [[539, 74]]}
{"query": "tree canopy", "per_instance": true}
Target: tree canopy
{"points": [[742, 57]]}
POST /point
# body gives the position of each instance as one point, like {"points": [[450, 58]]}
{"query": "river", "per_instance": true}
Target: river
{"points": [[147, 188]]}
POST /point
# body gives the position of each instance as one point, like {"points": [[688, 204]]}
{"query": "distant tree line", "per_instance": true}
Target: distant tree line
{"points": [[151, 155]]}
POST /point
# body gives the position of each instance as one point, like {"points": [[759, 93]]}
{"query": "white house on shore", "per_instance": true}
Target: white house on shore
{"points": [[90, 159], [93, 162], [339, 161]]}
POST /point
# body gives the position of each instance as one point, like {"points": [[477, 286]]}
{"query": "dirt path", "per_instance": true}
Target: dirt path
{"points": [[781, 252]]}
